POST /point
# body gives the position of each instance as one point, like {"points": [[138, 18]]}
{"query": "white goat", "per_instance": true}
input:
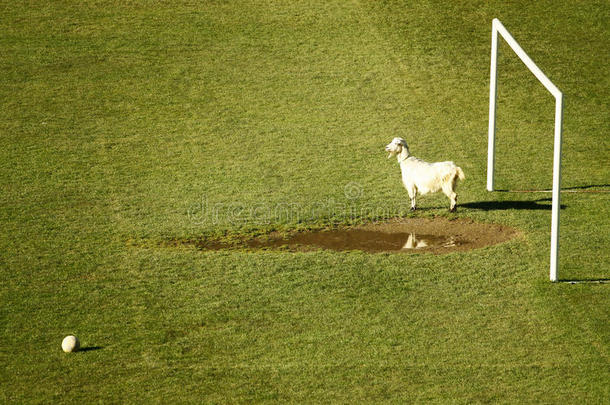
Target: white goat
{"points": [[423, 177]]}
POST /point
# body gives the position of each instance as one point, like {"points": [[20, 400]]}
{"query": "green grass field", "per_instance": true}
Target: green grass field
{"points": [[128, 124]]}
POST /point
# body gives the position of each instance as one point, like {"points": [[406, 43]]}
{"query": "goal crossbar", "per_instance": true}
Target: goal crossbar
{"points": [[498, 28]]}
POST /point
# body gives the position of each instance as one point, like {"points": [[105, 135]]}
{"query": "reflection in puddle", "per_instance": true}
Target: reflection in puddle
{"points": [[372, 241], [420, 242]]}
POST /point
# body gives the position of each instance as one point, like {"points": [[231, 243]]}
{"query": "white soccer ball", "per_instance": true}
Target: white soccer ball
{"points": [[70, 344]]}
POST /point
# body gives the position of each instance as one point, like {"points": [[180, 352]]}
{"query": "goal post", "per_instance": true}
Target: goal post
{"points": [[498, 28]]}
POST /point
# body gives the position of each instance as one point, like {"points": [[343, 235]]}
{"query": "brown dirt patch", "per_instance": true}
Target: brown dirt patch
{"points": [[436, 235]]}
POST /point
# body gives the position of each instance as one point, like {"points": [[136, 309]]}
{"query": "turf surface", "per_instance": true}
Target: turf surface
{"points": [[127, 124]]}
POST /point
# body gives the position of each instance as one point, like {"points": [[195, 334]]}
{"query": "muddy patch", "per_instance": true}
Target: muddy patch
{"points": [[438, 235]]}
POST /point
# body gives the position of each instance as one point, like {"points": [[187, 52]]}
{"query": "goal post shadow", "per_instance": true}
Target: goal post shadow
{"points": [[497, 29]]}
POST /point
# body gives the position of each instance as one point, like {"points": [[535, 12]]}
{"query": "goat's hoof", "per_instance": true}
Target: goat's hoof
{"points": [[412, 208], [454, 209]]}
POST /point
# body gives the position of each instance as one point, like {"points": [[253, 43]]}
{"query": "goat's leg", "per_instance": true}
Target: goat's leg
{"points": [[412, 194], [452, 197], [453, 206]]}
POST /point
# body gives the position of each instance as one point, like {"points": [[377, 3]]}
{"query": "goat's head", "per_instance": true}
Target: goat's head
{"points": [[396, 147]]}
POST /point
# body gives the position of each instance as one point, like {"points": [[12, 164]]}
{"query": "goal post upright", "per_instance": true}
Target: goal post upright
{"points": [[556, 205], [498, 28], [493, 83]]}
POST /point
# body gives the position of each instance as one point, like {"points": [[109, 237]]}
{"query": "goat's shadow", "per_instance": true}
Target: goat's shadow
{"points": [[532, 205]]}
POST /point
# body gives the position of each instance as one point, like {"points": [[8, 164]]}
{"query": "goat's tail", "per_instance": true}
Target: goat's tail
{"points": [[460, 173]]}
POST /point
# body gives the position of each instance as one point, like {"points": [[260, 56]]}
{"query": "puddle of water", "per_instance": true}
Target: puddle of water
{"points": [[358, 239], [399, 236], [345, 240]]}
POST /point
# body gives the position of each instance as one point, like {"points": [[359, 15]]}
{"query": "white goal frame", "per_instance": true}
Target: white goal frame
{"points": [[498, 28]]}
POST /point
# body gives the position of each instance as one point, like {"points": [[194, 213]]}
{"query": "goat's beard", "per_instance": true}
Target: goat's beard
{"points": [[390, 155]]}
